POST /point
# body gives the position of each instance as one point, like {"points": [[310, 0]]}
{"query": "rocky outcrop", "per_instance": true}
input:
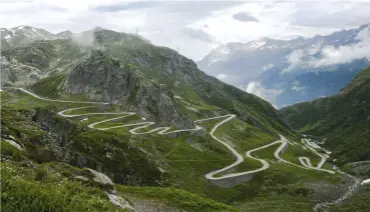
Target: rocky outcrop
{"points": [[104, 152], [14, 144], [62, 129], [101, 178], [14, 73], [103, 78]]}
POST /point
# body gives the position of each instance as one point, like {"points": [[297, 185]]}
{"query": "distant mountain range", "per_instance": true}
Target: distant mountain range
{"points": [[290, 71], [24, 34], [21, 35]]}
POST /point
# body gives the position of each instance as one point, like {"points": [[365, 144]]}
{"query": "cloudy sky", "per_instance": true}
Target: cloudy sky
{"points": [[193, 27]]}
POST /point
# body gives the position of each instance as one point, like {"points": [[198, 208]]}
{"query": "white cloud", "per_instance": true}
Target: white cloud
{"points": [[331, 55], [315, 48], [274, 21], [331, 14], [296, 86], [294, 59], [244, 17], [267, 67], [267, 94], [345, 54], [221, 77], [209, 23]]}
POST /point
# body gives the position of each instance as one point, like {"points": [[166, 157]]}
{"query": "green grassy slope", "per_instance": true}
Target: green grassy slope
{"points": [[183, 158], [27, 188], [118, 153], [51, 187], [344, 119]]}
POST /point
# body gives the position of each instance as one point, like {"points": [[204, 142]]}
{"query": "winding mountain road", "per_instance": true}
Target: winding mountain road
{"points": [[226, 180]]}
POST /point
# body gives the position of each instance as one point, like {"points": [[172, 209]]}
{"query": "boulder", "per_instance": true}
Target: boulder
{"points": [[101, 178]]}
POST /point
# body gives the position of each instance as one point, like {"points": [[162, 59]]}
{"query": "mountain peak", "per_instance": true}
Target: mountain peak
{"points": [[65, 34], [264, 60], [21, 27], [98, 28]]}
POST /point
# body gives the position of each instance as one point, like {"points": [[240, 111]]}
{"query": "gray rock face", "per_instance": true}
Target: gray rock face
{"points": [[62, 129], [103, 78], [25, 34], [15, 73]]}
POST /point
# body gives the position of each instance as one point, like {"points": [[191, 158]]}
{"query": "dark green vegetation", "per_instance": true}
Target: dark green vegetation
{"points": [[49, 86], [343, 119], [28, 188]]}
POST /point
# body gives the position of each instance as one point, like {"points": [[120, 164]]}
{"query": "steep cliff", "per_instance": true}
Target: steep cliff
{"points": [[102, 78]]}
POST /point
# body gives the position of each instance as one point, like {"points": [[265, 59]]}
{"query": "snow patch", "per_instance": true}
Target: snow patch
{"points": [[34, 30], [257, 44], [219, 54], [271, 47], [8, 37], [20, 27]]}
